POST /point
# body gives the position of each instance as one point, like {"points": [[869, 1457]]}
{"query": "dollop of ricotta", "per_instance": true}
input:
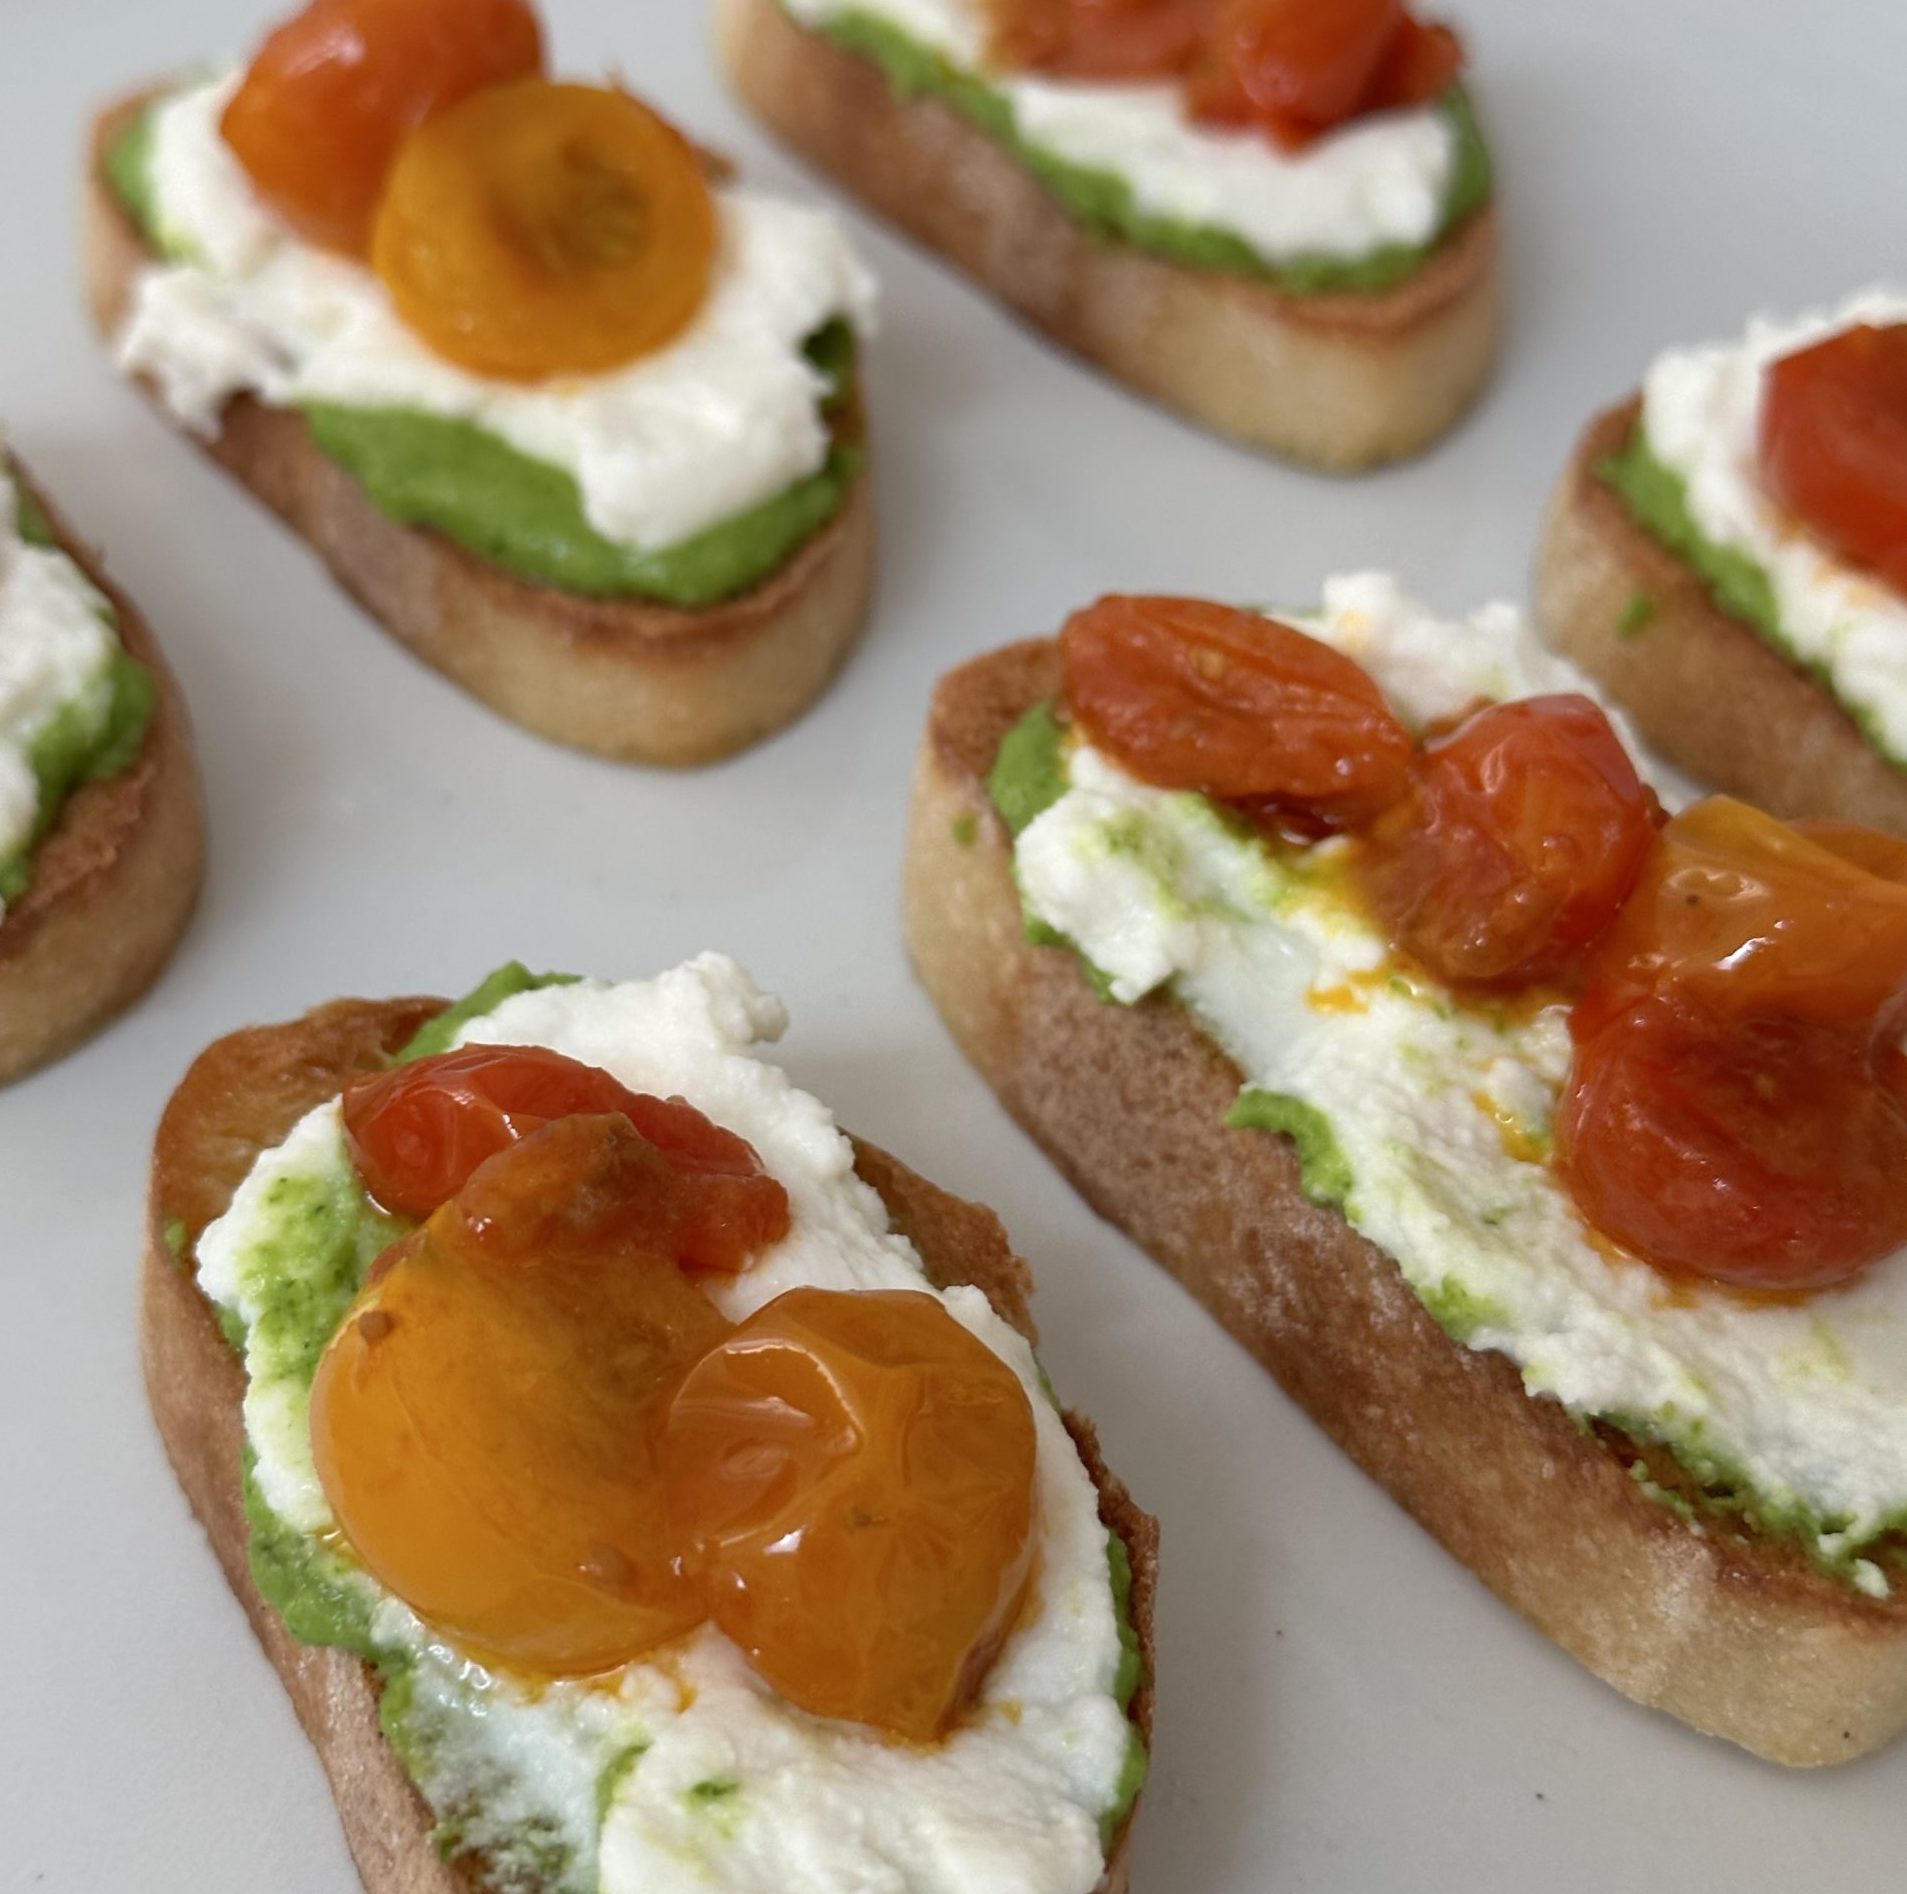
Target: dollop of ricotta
{"points": [[56, 646], [723, 418], [707, 1779], [1701, 414], [1443, 1108], [1375, 182]]}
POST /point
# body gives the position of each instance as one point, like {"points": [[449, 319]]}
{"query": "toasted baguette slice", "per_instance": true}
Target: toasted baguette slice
{"points": [[1733, 1632], [241, 1096], [1708, 692], [1338, 381], [628, 679], [116, 877]]}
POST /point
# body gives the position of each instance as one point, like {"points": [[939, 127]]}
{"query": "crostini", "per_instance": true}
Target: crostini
{"points": [[1547, 1146], [1727, 554], [1316, 277], [102, 839], [573, 415], [637, 1482]]}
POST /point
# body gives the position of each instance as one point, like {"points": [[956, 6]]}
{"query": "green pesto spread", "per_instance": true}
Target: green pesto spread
{"points": [[90, 738], [302, 1274], [1657, 498], [526, 515], [1102, 203]]}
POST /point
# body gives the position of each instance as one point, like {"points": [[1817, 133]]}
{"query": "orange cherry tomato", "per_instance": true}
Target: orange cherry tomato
{"points": [[1834, 443], [1100, 39], [852, 1477], [1760, 1152], [485, 1421], [1190, 695], [1880, 854], [1744, 915], [418, 1131], [335, 91], [1520, 834], [538, 230]]}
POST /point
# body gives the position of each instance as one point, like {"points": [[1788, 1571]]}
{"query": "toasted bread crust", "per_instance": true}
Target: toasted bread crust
{"points": [[1708, 693], [1336, 381], [1732, 1632], [115, 880], [625, 678], [241, 1096]]}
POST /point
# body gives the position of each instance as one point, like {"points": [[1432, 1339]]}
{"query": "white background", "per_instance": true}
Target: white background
{"points": [[1342, 1707]]}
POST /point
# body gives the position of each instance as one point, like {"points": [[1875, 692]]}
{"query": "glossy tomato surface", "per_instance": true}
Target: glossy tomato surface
{"points": [[485, 1420], [1191, 695], [1834, 443], [1760, 1152], [538, 230], [418, 1131], [333, 93], [1519, 837], [852, 1477]]}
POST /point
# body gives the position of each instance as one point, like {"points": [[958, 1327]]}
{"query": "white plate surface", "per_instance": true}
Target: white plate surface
{"points": [[1342, 1707]]}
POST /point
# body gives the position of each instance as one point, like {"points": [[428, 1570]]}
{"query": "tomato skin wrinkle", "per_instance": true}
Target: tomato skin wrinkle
{"points": [[1833, 444], [1761, 1153], [418, 1132], [334, 91], [1191, 695]]}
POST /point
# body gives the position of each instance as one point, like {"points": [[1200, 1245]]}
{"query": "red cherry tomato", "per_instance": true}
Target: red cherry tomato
{"points": [[1189, 695], [1834, 443], [336, 89], [1760, 1152], [1519, 836], [1747, 916], [1100, 39], [1422, 64], [418, 1131], [851, 1478]]}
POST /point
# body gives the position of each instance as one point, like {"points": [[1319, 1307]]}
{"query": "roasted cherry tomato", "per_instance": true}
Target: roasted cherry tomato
{"points": [[1747, 916], [540, 230], [1100, 39], [336, 90], [1879, 854], [1520, 834], [1189, 695], [1834, 443], [484, 1422], [1298, 68], [417, 1132], [1761, 1152], [852, 1479]]}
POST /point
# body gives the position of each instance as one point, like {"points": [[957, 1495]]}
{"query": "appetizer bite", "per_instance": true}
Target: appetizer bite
{"points": [[102, 840], [639, 1484], [1272, 215], [572, 414], [1543, 1132], [1727, 553]]}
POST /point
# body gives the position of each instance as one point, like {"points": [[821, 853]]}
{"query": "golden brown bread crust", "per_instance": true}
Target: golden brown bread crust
{"points": [[115, 879], [1734, 1633], [242, 1095], [1708, 692], [1336, 381], [627, 679]]}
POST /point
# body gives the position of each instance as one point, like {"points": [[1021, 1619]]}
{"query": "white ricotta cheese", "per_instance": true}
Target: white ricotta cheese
{"points": [[725, 417], [1379, 181], [733, 1790], [1443, 1110], [56, 647], [1701, 412]]}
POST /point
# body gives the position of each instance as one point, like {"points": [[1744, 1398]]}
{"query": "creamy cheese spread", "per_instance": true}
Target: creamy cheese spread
{"points": [[1375, 182], [1441, 1110], [1701, 416], [690, 1773], [723, 418], [57, 648]]}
